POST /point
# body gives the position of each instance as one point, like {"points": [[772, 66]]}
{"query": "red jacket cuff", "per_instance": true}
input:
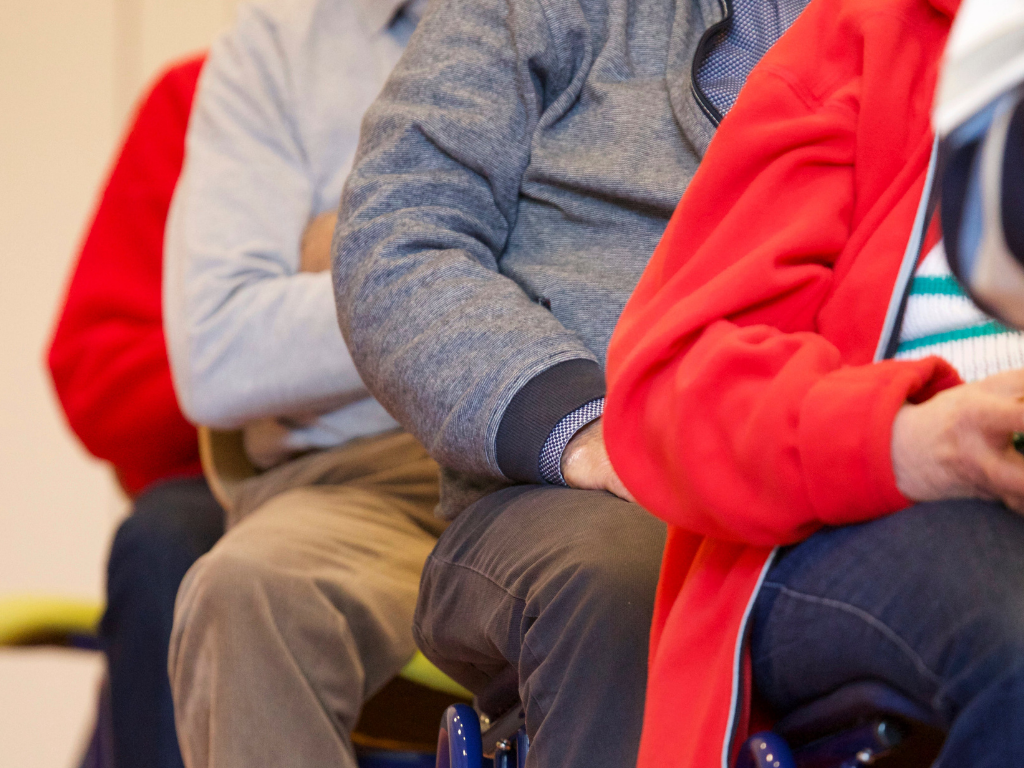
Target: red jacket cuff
{"points": [[845, 435]]}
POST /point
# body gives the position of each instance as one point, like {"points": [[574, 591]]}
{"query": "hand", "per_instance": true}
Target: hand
{"points": [[315, 248], [958, 443], [585, 463]]}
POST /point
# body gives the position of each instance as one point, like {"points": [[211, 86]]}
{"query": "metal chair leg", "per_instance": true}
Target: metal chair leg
{"points": [[522, 747], [511, 753], [504, 755]]}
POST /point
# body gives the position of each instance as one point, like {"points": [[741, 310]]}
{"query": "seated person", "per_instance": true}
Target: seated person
{"points": [[786, 390], [512, 181], [109, 366], [304, 609]]}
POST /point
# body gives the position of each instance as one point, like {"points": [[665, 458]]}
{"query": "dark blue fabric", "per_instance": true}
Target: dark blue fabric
{"points": [[172, 524], [929, 600]]}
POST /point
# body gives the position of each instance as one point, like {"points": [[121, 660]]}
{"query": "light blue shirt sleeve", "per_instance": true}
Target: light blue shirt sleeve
{"points": [[249, 335]]}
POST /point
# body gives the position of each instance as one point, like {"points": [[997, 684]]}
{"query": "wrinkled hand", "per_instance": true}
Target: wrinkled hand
{"points": [[315, 249], [958, 443], [585, 463]]}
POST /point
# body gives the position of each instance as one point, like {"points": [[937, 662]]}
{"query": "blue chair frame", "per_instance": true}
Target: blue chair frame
{"points": [[462, 744], [859, 724], [862, 723]]}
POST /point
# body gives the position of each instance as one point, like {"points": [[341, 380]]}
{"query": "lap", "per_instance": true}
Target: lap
{"points": [[362, 512], [330, 532], [528, 550], [392, 466], [178, 515], [914, 599], [520, 535]]}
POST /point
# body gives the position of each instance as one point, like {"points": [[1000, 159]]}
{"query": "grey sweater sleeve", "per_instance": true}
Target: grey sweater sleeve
{"points": [[249, 336], [477, 369]]}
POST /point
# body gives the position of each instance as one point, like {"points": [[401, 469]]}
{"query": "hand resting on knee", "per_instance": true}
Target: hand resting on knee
{"points": [[585, 463], [958, 444]]}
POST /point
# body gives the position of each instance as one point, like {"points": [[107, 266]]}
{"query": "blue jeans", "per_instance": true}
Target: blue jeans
{"points": [[929, 600], [171, 525]]}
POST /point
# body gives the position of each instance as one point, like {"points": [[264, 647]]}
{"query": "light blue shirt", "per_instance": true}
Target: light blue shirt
{"points": [[254, 342]]}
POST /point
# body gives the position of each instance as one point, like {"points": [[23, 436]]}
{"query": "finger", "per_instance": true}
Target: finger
{"points": [[616, 486], [1004, 472], [1007, 383], [998, 415], [1015, 504]]}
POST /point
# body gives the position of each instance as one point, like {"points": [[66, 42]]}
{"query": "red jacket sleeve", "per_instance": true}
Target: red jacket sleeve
{"points": [[728, 414], [108, 357]]}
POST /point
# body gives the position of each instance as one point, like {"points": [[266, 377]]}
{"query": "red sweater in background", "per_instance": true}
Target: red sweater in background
{"points": [[108, 357]]}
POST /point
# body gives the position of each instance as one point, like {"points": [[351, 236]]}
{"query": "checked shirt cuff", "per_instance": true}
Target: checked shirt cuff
{"points": [[554, 446]]}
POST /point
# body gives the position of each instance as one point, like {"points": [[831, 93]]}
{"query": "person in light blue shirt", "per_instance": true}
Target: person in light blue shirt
{"points": [[304, 609]]}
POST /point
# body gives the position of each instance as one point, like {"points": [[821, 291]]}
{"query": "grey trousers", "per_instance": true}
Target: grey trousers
{"points": [[303, 609], [559, 584]]}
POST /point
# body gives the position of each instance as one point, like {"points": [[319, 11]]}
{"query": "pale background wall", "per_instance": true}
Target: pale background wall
{"points": [[70, 71]]}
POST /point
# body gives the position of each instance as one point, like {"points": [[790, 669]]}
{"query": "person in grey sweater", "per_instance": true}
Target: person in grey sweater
{"points": [[511, 182], [304, 609]]}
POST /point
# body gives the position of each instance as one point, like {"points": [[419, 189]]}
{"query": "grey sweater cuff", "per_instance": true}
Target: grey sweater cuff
{"points": [[537, 408]]}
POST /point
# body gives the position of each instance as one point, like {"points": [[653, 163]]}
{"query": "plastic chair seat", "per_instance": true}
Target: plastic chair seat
{"points": [[48, 620], [421, 671]]}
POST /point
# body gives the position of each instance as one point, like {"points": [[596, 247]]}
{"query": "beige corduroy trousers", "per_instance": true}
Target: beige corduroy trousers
{"points": [[304, 608]]}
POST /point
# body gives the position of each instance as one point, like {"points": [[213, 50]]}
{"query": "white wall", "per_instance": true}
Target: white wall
{"points": [[69, 72]]}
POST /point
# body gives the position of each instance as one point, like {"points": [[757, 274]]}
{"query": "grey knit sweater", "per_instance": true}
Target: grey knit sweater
{"points": [[510, 186]]}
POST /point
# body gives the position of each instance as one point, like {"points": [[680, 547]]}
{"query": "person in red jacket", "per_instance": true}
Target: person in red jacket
{"points": [[787, 389], [109, 366]]}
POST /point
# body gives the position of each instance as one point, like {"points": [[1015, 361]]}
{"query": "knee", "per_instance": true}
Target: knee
{"points": [[614, 578], [145, 542], [222, 587], [979, 646], [170, 526], [147, 561], [220, 600]]}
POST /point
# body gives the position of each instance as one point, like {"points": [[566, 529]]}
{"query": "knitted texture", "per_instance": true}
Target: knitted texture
{"points": [[941, 320]]}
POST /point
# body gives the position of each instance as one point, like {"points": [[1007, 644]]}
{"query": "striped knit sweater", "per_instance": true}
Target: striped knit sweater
{"points": [[941, 320]]}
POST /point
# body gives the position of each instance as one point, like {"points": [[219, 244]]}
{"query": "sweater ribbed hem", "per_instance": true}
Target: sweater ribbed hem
{"points": [[535, 410]]}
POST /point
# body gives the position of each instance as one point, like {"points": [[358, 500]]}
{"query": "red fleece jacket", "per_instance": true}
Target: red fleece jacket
{"points": [[743, 404], [108, 358]]}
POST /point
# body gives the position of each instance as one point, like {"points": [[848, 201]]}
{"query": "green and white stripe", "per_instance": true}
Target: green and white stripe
{"points": [[941, 320]]}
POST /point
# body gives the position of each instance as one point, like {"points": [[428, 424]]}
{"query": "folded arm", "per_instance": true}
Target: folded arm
{"points": [[250, 334]]}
